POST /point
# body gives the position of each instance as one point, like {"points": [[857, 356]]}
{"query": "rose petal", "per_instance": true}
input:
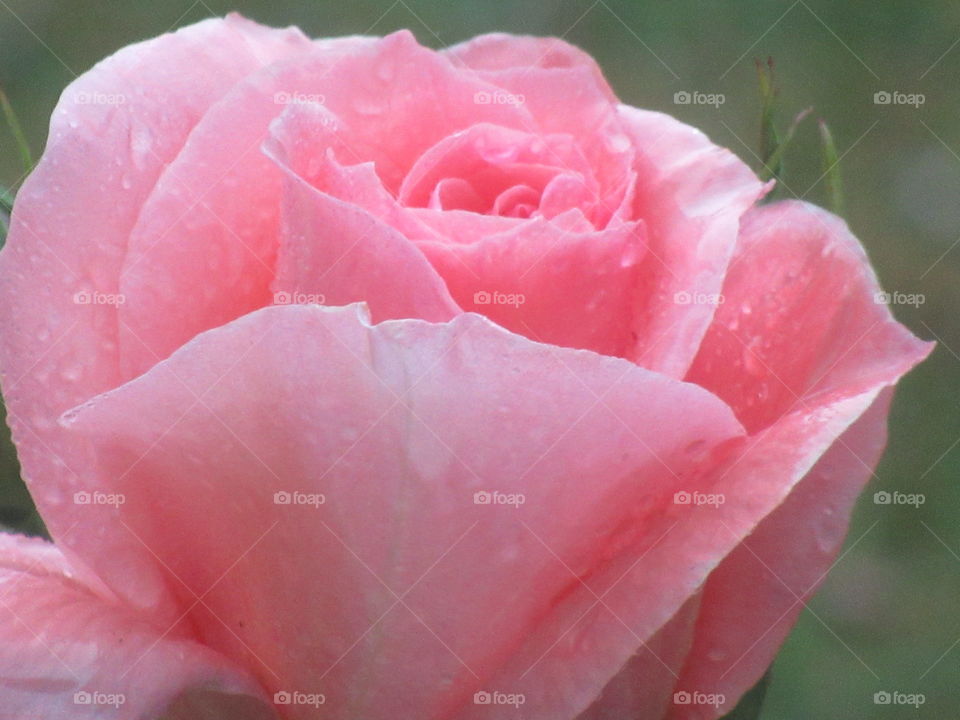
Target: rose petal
{"points": [[552, 284], [495, 53], [494, 159], [66, 652], [309, 137], [111, 134], [691, 194], [463, 227], [752, 600], [335, 253], [518, 201], [761, 474], [595, 444], [204, 249], [565, 93], [643, 687], [798, 273]]}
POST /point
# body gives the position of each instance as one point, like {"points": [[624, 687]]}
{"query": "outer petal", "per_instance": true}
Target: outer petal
{"points": [[691, 194], [495, 53], [752, 600], [398, 594], [222, 197], [775, 277], [67, 653], [111, 134], [802, 320], [797, 273], [643, 688]]}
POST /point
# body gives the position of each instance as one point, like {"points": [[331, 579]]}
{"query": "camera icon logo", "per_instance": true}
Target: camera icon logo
{"points": [[882, 698], [682, 697], [681, 97], [882, 497], [882, 98], [482, 697], [282, 697], [681, 497], [482, 497], [481, 297], [282, 497]]}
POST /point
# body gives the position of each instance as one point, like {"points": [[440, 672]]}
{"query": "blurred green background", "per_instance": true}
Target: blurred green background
{"points": [[888, 616]]}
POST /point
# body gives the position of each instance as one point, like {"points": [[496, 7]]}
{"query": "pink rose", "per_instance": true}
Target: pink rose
{"points": [[588, 443]]}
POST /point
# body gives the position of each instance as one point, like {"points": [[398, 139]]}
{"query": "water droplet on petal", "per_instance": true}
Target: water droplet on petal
{"points": [[141, 144], [619, 143], [752, 362], [385, 70], [367, 106]]}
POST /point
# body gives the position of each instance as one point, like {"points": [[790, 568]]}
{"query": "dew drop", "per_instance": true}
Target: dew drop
{"points": [[717, 655], [386, 70], [619, 143], [141, 144], [367, 106], [751, 357]]}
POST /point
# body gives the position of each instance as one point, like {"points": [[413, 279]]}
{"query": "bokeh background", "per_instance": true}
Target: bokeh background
{"points": [[888, 616]]}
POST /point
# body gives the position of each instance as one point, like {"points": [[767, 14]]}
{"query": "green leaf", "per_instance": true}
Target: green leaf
{"points": [[21, 140], [831, 169], [751, 703]]}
